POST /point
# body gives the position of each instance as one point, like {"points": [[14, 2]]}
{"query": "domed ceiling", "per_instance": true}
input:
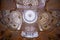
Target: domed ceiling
{"points": [[29, 20]]}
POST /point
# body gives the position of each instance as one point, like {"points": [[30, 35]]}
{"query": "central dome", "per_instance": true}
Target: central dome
{"points": [[30, 16]]}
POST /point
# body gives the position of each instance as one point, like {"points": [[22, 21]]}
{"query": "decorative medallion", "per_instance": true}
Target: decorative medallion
{"points": [[30, 16]]}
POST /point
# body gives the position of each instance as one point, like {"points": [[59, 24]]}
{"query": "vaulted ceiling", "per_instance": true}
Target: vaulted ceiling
{"points": [[39, 16]]}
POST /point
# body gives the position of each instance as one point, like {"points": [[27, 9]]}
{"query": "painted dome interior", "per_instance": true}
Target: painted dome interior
{"points": [[30, 20]]}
